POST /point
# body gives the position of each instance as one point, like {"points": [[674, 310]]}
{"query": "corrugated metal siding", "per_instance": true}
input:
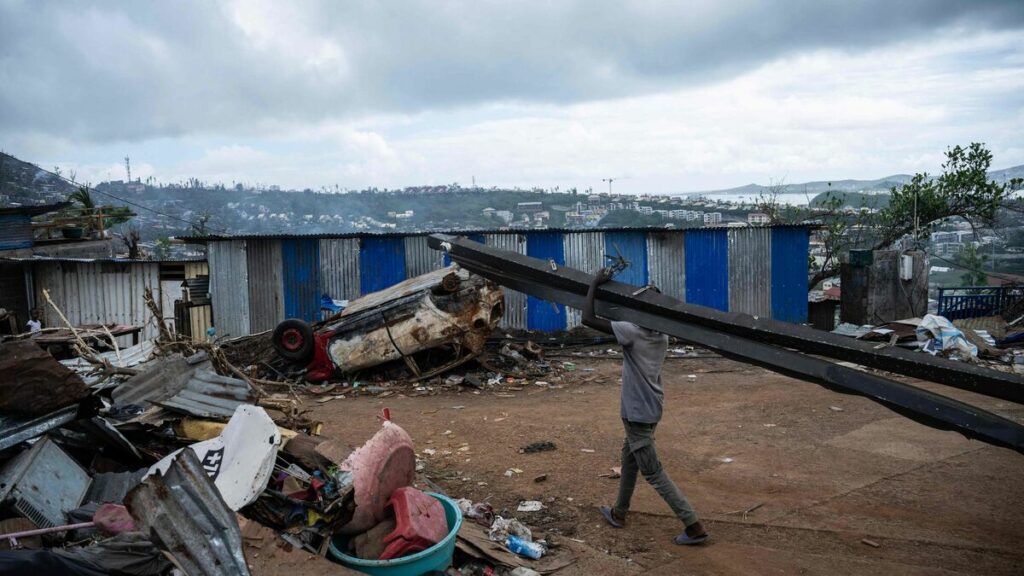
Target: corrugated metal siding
{"points": [[707, 268], [339, 268], [789, 274], [381, 263], [666, 263], [633, 247], [583, 251], [229, 271], [15, 231], [541, 314], [515, 302], [301, 278], [447, 260], [200, 318], [266, 292], [750, 271], [194, 269], [420, 258], [99, 293]]}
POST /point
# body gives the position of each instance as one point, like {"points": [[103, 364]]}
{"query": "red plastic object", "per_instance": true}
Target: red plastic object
{"points": [[420, 523], [385, 463]]}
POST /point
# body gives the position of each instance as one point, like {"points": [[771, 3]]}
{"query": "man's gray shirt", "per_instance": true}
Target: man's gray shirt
{"points": [[643, 353]]}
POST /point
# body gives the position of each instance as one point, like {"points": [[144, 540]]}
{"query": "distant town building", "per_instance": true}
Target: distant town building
{"points": [[529, 207], [503, 215], [646, 210], [712, 218], [758, 218]]}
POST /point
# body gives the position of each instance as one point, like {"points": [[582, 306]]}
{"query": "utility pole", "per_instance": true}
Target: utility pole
{"points": [[609, 181], [128, 168]]}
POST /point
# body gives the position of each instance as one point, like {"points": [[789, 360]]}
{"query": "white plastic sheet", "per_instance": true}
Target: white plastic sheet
{"points": [[940, 336]]}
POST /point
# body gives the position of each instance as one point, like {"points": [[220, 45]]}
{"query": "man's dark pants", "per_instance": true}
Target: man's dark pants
{"points": [[639, 455]]}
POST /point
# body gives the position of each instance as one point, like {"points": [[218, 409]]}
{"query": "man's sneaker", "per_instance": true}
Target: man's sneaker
{"points": [[612, 518], [694, 534]]}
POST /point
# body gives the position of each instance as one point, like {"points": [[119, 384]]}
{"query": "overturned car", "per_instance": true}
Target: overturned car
{"points": [[432, 323]]}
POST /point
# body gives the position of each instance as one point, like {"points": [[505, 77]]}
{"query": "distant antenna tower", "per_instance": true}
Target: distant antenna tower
{"points": [[128, 168]]}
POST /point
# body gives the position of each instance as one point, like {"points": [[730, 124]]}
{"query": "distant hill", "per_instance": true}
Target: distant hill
{"points": [[849, 185], [24, 183]]}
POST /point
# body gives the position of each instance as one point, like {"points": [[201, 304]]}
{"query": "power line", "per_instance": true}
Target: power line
{"points": [[985, 272], [131, 203]]}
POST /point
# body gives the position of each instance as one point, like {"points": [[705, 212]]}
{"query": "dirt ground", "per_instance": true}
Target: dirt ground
{"points": [[825, 471]]}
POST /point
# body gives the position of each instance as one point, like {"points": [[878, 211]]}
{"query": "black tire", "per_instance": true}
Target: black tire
{"points": [[293, 340]]}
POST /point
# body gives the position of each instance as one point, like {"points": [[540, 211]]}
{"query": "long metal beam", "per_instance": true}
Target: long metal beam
{"points": [[960, 375], [537, 278]]}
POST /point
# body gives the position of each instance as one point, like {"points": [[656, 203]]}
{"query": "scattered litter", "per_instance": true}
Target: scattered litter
{"points": [[512, 471], [537, 447], [835, 408], [616, 472], [530, 506], [871, 543], [725, 460], [587, 450], [540, 478]]}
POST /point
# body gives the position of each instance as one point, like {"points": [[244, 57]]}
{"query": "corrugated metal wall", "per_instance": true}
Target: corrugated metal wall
{"points": [[666, 263], [420, 258], [301, 278], [541, 314], [750, 271], [515, 302], [99, 293], [707, 268], [339, 268], [229, 271], [447, 260], [789, 273], [583, 251], [633, 247], [266, 291], [381, 263], [15, 231]]}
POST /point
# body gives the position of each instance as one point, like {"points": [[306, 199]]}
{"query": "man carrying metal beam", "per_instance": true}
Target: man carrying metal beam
{"points": [[642, 399]]}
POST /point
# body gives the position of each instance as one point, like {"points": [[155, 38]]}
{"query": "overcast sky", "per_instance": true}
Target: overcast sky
{"points": [[666, 96]]}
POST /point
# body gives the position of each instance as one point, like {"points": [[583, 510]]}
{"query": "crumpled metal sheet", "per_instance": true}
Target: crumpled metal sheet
{"points": [[113, 486], [210, 395], [184, 514], [15, 429]]}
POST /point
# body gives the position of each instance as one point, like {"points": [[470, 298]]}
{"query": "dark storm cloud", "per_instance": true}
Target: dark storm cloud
{"points": [[107, 71]]}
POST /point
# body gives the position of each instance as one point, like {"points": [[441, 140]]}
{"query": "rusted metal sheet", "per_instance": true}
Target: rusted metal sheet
{"points": [[339, 268], [229, 270], [583, 251], [185, 512], [666, 261], [515, 302], [266, 296], [419, 258], [750, 271]]}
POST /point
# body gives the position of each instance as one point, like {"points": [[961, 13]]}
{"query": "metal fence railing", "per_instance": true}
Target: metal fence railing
{"points": [[977, 301]]}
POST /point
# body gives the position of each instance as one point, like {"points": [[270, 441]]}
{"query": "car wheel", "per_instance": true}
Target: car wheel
{"points": [[293, 340]]}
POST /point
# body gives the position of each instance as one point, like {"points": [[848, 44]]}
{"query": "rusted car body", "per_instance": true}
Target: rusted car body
{"points": [[431, 322]]}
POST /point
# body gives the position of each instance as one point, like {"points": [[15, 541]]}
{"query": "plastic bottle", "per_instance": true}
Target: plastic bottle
{"points": [[524, 548]]}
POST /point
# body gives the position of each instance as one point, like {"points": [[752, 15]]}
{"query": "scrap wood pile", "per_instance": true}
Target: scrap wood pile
{"points": [[151, 458]]}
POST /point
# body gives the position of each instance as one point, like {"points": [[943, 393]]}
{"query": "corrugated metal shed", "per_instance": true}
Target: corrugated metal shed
{"points": [[15, 231], [583, 251], [100, 292], [666, 264], [266, 291], [420, 258], [707, 268], [633, 247], [541, 314], [789, 273], [381, 263], [229, 270], [750, 271], [447, 261], [339, 268], [515, 302], [301, 278]]}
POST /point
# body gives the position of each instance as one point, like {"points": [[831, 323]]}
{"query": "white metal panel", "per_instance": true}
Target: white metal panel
{"points": [[666, 262], [420, 258], [750, 271], [339, 268], [229, 280], [583, 251], [515, 302]]}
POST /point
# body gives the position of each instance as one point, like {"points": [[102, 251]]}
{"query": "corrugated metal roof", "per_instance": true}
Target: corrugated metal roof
{"points": [[750, 271], [16, 231], [186, 512], [210, 395], [33, 210]]}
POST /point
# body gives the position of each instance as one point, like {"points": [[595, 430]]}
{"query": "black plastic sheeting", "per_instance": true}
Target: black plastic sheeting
{"points": [[615, 301]]}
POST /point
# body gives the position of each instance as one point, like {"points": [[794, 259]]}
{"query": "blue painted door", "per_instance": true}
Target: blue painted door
{"points": [[474, 237], [633, 247], [789, 274], [707, 268], [381, 263], [300, 278], [541, 314]]}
